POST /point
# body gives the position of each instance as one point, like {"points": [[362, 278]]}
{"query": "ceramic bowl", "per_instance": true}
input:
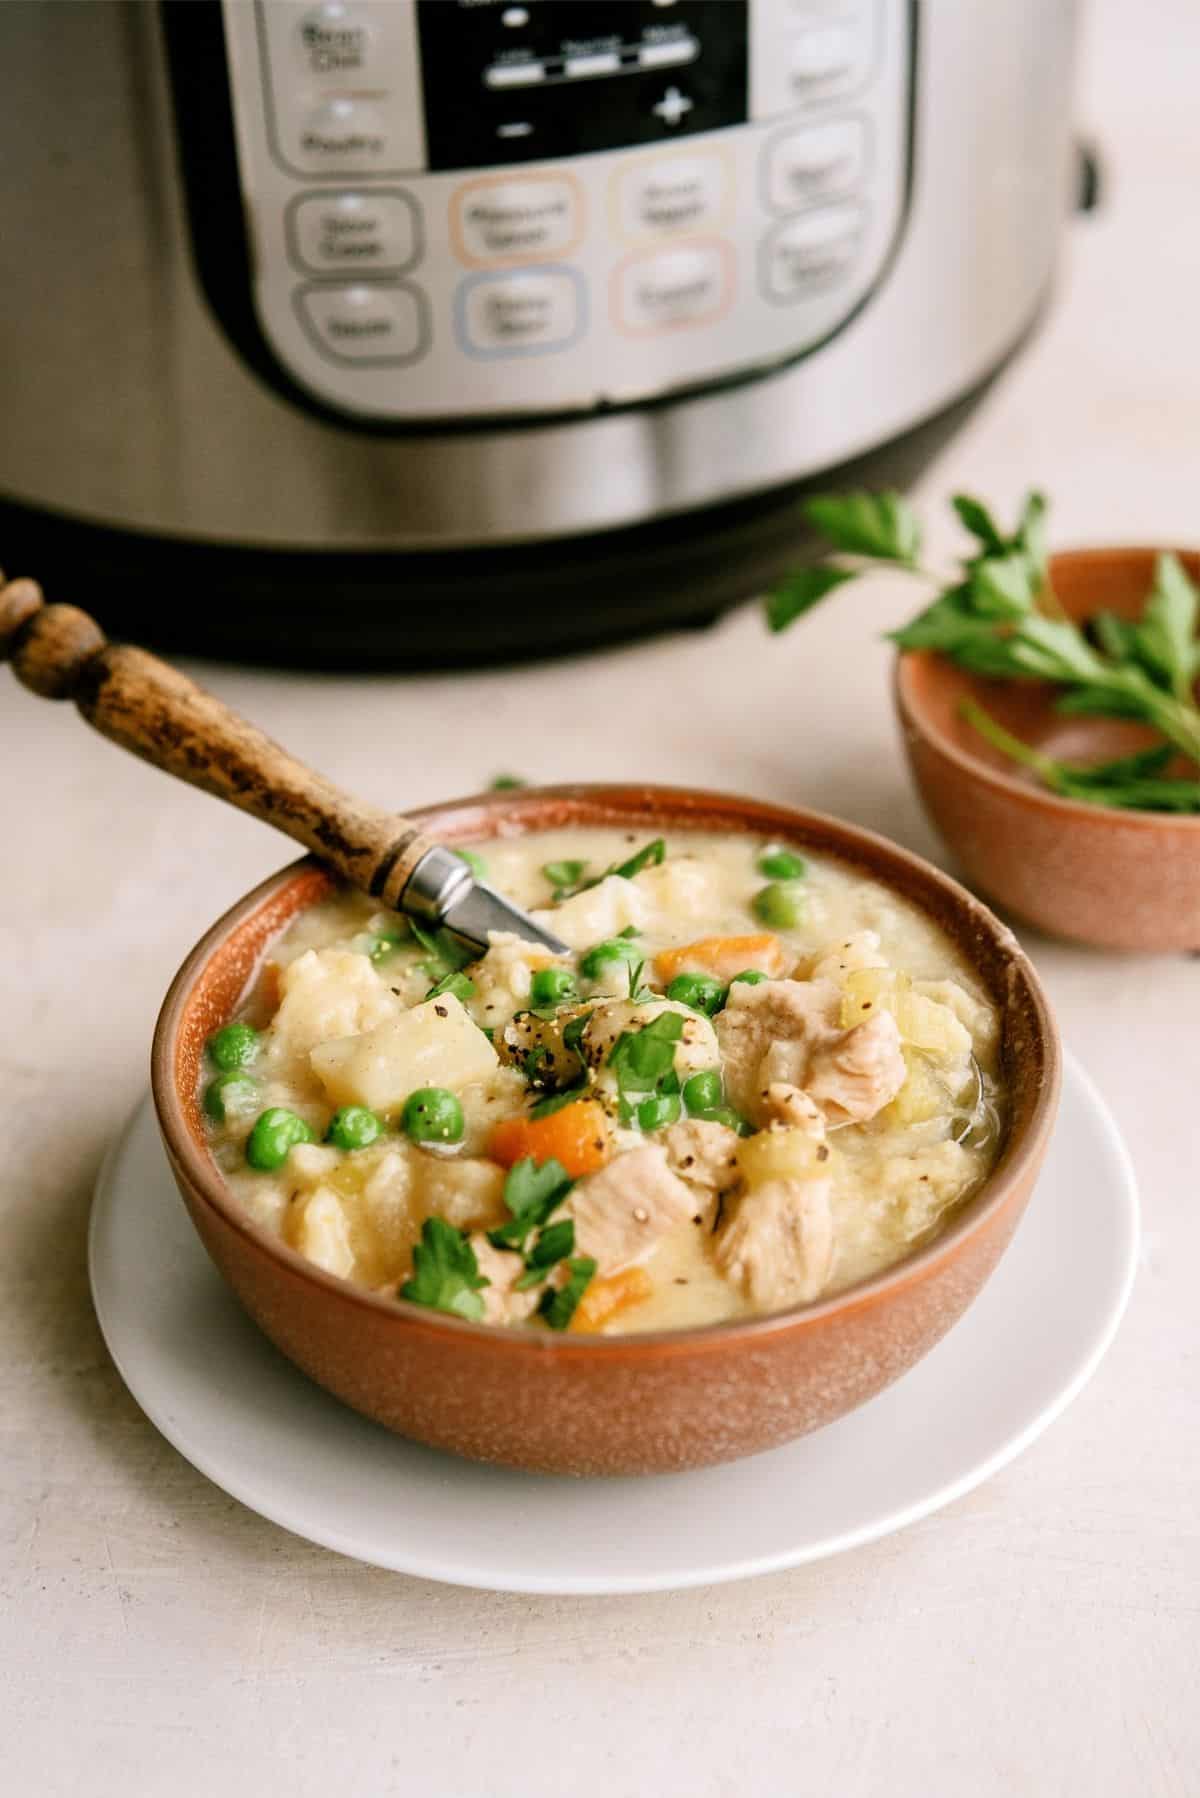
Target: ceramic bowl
{"points": [[1114, 879], [624, 1404]]}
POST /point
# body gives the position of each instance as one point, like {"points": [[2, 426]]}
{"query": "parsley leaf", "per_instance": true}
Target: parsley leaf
{"points": [[652, 855], [446, 955], [459, 984], [445, 1275], [547, 1107], [553, 1243], [1000, 618], [1132, 781], [798, 592], [564, 875], [880, 525], [649, 856], [1165, 640], [532, 1190], [644, 1062], [979, 521], [506, 783], [558, 1306]]}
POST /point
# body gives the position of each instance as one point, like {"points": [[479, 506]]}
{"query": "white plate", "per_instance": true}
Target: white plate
{"points": [[246, 1418]]}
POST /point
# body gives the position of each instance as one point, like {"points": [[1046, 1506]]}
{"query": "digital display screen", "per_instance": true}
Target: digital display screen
{"points": [[510, 83]]}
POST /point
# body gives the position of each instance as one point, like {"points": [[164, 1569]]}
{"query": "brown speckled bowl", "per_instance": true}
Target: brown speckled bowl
{"points": [[1114, 879], [626, 1404]]}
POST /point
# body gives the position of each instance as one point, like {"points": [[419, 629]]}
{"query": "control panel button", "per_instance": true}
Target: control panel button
{"points": [[344, 134], [520, 314], [366, 323], [334, 41], [828, 61], [817, 162], [692, 285], [376, 230], [674, 107], [516, 221], [672, 193], [811, 251]]}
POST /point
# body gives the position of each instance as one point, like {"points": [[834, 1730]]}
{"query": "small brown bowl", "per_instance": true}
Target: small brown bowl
{"points": [[1114, 879], [625, 1404]]}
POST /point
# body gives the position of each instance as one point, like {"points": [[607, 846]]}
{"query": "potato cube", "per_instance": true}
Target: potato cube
{"points": [[434, 1044]]}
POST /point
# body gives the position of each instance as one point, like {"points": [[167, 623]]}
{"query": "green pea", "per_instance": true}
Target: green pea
{"points": [[750, 977], [657, 1113], [433, 1114], [781, 904], [229, 1096], [233, 1047], [781, 864], [552, 986], [274, 1136], [703, 992], [614, 949], [353, 1127], [724, 1114], [475, 862], [703, 1091]]}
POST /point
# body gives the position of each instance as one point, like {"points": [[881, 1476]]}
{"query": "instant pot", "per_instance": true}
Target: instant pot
{"points": [[450, 329]]}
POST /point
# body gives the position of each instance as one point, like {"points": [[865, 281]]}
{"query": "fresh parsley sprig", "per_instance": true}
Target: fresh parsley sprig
{"points": [[532, 1190], [999, 617], [1133, 782], [445, 1275]]}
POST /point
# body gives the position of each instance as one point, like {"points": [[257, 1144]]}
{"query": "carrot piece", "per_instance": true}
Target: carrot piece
{"points": [[269, 994], [578, 1137], [724, 956], [604, 1298]]}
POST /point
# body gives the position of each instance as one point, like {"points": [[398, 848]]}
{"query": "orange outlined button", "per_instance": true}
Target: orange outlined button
{"points": [[670, 290], [502, 219], [656, 197]]}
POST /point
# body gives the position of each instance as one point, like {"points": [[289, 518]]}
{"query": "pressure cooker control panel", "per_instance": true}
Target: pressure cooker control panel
{"points": [[463, 208]]}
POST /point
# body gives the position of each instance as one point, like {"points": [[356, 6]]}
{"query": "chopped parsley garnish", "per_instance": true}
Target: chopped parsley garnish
{"points": [[446, 955], [445, 1275], [647, 857], [650, 857], [506, 783], [573, 1034], [553, 1243], [558, 1307], [644, 1063], [532, 1190], [458, 983], [564, 877], [546, 1107]]}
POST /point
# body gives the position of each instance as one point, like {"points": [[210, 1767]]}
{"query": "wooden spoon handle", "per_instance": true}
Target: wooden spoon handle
{"points": [[150, 708]]}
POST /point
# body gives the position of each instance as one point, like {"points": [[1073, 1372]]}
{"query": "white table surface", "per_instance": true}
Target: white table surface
{"points": [[1041, 1636]]}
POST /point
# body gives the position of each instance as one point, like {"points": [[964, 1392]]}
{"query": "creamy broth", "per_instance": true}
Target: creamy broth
{"points": [[851, 1088]]}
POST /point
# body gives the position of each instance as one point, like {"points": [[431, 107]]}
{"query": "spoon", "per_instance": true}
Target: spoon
{"points": [[150, 708]]}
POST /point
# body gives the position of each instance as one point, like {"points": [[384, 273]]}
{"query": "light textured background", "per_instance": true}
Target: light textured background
{"points": [[1040, 1637]]}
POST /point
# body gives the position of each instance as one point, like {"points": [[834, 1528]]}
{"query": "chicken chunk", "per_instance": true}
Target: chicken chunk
{"points": [[500, 1267], [857, 1075], [854, 952], [768, 1032], [622, 1211], [787, 1105], [705, 1155], [778, 1244]]}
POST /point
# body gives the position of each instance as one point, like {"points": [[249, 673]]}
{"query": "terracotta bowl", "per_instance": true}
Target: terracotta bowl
{"points": [[628, 1404], [1118, 880]]}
